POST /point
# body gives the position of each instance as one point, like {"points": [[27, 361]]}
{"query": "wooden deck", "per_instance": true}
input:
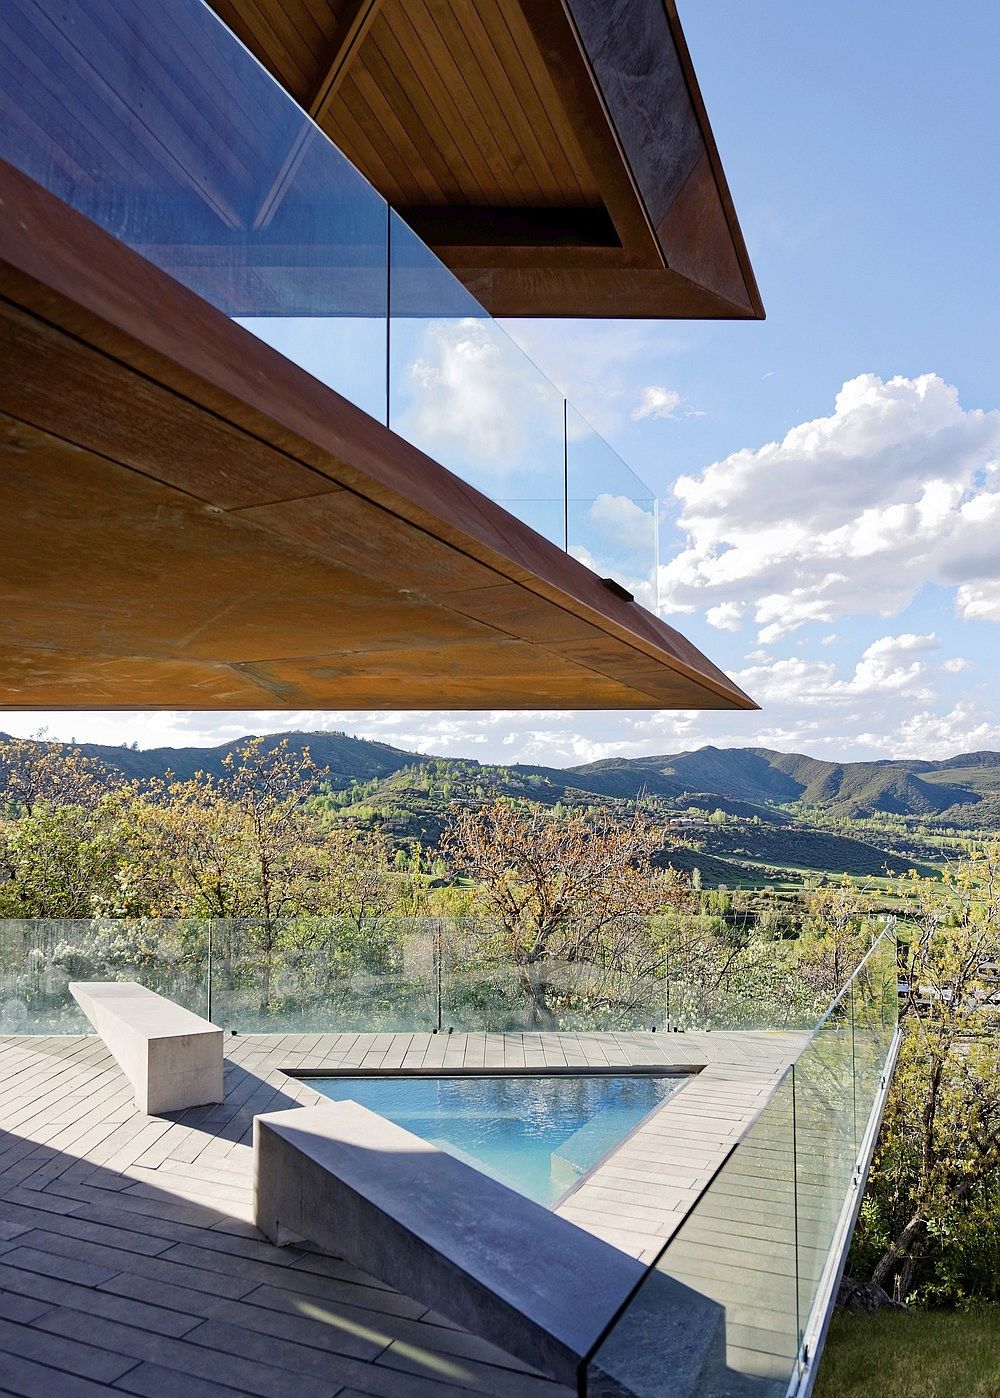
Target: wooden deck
{"points": [[128, 1262]]}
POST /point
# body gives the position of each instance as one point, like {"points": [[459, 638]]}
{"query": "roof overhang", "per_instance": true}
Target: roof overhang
{"points": [[556, 154], [189, 520]]}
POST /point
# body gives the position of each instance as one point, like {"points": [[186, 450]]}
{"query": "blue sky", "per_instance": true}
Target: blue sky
{"points": [[829, 479]]}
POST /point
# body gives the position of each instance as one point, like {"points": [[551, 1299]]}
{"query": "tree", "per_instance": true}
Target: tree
{"points": [[56, 774], [838, 930], [242, 847], [357, 883], [252, 850], [66, 861], [576, 887], [939, 1154]]}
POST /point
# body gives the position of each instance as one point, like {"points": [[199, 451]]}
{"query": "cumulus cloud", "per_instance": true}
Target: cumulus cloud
{"points": [[886, 664], [963, 728], [848, 514], [656, 401], [727, 616], [626, 523], [979, 601], [800, 686]]}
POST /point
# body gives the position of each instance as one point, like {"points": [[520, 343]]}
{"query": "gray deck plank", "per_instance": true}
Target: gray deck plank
{"points": [[128, 1264]]}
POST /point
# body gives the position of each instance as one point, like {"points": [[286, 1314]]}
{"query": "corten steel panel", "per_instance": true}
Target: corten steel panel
{"points": [[556, 154], [188, 520]]}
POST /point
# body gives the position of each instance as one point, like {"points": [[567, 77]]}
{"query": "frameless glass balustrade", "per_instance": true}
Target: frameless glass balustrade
{"points": [[334, 974], [758, 1251], [155, 122]]}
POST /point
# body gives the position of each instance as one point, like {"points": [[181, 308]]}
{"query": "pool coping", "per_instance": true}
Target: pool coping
{"points": [[639, 1194]]}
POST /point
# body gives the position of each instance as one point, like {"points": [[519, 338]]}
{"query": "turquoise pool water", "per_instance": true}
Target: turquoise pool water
{"points": [[536, 1134]]}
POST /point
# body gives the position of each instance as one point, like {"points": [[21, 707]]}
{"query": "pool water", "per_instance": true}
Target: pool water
{"points": [[537, 1135]]}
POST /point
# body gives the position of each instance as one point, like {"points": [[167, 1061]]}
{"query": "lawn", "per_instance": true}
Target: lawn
{"points": [[913, 1354]]}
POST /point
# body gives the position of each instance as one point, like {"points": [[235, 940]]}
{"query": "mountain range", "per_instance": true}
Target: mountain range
{"points": [[967, 785]]}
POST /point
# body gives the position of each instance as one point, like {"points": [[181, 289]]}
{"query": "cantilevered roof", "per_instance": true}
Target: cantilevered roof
{"points": [[556, 154], [189, 520]]}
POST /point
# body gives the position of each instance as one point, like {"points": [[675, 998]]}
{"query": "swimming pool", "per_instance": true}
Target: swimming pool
{"points": [[537, 1134]]}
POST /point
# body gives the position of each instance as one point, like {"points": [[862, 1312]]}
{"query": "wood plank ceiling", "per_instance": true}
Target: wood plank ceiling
{"points": [[441, 101], [485, 124]]}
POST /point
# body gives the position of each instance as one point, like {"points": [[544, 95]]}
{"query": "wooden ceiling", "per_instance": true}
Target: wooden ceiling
{"points": [[188, 520], [555, 153]]}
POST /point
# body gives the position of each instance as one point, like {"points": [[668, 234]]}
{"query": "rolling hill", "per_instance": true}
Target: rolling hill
{"points": [[740, 814], [744, 781]]}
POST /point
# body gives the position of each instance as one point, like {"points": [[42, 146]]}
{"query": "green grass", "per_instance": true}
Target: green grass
{"points": [[912, 1354]]}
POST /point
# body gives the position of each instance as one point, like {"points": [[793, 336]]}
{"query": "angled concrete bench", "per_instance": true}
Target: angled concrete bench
{"points": [[434, 1228], [172, 1058]]}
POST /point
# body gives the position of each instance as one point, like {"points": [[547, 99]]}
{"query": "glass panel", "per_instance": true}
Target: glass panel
{"points": [[872, 1031], [482, 989], [38, 959], [721, 1299], [464, 393], [323, 975], [826, 1149], [715, 983], [155, 123], [611, 514]]}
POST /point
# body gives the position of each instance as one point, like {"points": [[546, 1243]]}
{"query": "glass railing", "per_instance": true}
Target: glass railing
{"points": [[763, 1241], [320, 974], [156, 123]]}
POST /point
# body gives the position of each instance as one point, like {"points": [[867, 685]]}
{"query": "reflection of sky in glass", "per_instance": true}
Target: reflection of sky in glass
{"points": [[467, 396], [347, 353], [276, 228]]}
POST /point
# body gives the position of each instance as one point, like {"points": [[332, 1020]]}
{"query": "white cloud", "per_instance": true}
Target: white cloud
{"points": [[956, 665], [809, 707], [885, 666], [848, 514], [979, 601], [727, 616], [927, 734], [656, 401]]}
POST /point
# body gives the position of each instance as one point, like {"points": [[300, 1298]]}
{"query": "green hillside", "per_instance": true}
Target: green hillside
{"points": [[801, 848], [743, 781], [345, 759], [761, 775], [746, 808]]}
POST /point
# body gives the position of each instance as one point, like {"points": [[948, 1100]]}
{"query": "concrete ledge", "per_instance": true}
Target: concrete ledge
{"points": [[429, 1225], [172, 1058]]}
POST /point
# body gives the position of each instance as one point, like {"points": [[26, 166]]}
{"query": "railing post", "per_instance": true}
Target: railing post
{"points": [[565, 477], [388, 314], [795, 1209], [208, 997], [438, 957]]}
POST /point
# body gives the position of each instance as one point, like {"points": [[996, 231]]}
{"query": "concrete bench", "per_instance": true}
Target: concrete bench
{"points": [[440, 1231], [172, 1058]]}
